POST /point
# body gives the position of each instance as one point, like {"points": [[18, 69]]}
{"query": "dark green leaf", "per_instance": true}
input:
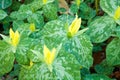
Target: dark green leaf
{"points": [[3, 14], [5, 3]]}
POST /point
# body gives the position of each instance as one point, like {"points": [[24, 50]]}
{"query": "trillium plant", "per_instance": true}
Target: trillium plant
{"points": [[58, 39]]}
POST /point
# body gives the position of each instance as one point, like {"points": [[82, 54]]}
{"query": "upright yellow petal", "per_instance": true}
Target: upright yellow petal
{"points": [[46, 52], [117, 13], [73, 23], [77, 2], [45, 1], [52, 57], [11, 33], [32, 27], [48, 55], [15, 39], [74, 27], [31, 63]]}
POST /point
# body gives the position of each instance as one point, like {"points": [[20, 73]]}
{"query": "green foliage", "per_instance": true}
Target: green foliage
{"points": [[113, 53], [104, 68], [98, 29], [6, 58], [3, 14], [110, 6], [37, 19], [79, 45], [96, 77], [61, 70], [50, 11], [5, 4], [86, 11], [71, 57]]}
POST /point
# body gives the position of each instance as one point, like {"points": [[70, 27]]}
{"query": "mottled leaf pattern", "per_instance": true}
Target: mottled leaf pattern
{"points": [[101, 29], [113, 52], [110, 6], [6, 58]]}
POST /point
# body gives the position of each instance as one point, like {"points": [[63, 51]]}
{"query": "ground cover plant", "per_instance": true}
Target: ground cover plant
{"points": [[59, 40]]}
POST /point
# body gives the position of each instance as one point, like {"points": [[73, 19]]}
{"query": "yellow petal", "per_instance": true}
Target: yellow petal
{"points": [[52, 57], [45, 1], [78, 2], [11, 33], [46, 52], [32, 27], [31, 63], [73, 23], [48, 55], [15, 39], [117, 13], [74, 27]]}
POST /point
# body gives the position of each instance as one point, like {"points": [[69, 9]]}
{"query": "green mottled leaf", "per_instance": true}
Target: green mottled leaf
{"points": [[73, 8], [71, 66], [31, 73], [35, 5], [113, 52], [62, 68], [86, 12], [5, 3], [2, 14], [101, 29], [6, 58], [37, 19], [96, 77], [50, 11], [22, 13], [81, 47], [110, 6], [22, 49], [53, 33], [117, 31], [66, 19]]}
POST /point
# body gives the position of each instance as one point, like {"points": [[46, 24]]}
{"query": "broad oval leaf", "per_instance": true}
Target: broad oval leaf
{"points": [[62, 66], [37, 19], [6, 58], [29, 73], [110, 6], [3, 14], [50, 11], [5, 3], [113, 52], [101, 29], [81, 47], [53, 33]]}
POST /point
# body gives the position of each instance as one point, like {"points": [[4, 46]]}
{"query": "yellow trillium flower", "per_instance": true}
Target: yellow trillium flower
{"points": [[49, 56], [32, 27], [45, 1], [77, 2], [74, 27], [117, 13], [14, 36], [31, 64]]}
